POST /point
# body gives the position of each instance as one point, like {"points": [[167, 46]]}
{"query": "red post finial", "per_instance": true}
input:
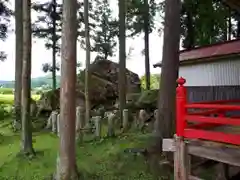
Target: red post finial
{"points": [[181, 101], [181, 81]]}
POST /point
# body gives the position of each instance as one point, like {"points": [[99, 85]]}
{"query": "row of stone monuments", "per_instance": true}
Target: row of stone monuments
{"points": [[82, 126]]}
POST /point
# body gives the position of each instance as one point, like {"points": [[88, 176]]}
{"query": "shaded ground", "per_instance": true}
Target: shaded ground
{"points": [[104, 159]]}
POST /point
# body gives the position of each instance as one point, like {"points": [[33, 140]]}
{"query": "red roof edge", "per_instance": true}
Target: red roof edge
{"points": [[215, 51]]}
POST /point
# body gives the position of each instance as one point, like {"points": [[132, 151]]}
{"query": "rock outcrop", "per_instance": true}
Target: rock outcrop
{"points": [[103, 86]]}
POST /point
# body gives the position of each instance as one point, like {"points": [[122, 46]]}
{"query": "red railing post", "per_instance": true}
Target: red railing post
{"points": [[181, 101]]}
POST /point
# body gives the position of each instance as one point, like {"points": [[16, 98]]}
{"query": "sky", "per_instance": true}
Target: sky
{"points": [[40, 55]]}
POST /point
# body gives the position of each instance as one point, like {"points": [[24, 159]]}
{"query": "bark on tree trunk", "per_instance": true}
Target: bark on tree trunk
{"points": [[170, 65], [229, 25], [27, 147], [87, 73], [238, 29], [66, 162], [122, 59], [18, 59], [146, 43], [190, 30]]}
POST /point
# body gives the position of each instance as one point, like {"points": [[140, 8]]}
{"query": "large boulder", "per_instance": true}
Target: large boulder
{"points": [[103, 86], [44, 104], [104, 82]]}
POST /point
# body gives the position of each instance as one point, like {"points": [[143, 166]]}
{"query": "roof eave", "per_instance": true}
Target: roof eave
{"points": [[233, 4], [203, 60]]}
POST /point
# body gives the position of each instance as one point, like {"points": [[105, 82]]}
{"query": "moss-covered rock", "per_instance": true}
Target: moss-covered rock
{"points": [[148, 99], [144, 100]]}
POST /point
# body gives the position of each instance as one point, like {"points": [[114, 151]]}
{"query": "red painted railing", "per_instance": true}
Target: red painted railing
{"points": [[203, 118]]}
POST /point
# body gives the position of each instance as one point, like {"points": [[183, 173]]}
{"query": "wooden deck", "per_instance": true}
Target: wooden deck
{"points": [[222, 152], [228, 154]]}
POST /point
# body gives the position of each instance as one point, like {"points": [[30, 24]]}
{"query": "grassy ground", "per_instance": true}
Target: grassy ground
{"points": [[100, 160], [97, 160]]}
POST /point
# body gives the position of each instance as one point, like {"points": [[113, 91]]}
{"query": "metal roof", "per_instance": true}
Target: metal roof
{"points": [[205, 53], [234, 4]]}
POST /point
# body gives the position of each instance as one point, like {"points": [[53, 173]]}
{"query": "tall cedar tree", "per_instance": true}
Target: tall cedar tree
{"points": [[122, 58], [88, 58], [27, 146], [106, 31], [48, 27], [146, 44], [18, 59], [66, 164], [170, 65], [140, 18]]}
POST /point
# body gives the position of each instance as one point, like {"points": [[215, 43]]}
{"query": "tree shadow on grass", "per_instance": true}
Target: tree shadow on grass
{"points": [[8, 139], [15, 167], [5, 124]]}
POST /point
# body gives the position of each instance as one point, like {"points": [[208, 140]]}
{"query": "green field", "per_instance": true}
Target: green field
{"points": [[9, 98]]}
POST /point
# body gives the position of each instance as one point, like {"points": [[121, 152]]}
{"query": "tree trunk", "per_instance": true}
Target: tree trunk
{"points": [[54, 40], [170, 64], [238, 29], [146, 43], [190, 30], [87, 73], [27, 147], [122, 59], [18, 59], [229, 25], [170, 67], [66, 163]]}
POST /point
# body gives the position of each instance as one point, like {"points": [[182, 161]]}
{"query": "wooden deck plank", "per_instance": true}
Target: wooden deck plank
{"points": [[228, 155]]}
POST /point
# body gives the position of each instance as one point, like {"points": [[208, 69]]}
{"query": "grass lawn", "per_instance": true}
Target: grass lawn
{"points": [[9, 98], [100, 160]]}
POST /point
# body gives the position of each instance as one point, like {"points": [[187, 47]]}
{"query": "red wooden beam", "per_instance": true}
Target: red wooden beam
{"points": [[215, 120], [213, 106], [212, 136]]}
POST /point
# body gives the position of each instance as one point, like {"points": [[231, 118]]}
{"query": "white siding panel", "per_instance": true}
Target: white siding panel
{"points": [[222, 73]]}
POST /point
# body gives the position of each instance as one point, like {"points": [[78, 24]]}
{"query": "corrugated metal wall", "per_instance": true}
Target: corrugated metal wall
{"points": [[221, 73], [211, 93]]}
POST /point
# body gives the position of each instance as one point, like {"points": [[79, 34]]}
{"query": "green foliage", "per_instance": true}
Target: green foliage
{"points": [[5, 14], [43, 27], [48, 27], [148, 98], [47, 67], [136, 11], [154, 81], [204, 22], [106, 31]]}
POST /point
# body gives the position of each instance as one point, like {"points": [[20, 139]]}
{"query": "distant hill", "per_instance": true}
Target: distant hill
{"points": [[36, 82]]}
